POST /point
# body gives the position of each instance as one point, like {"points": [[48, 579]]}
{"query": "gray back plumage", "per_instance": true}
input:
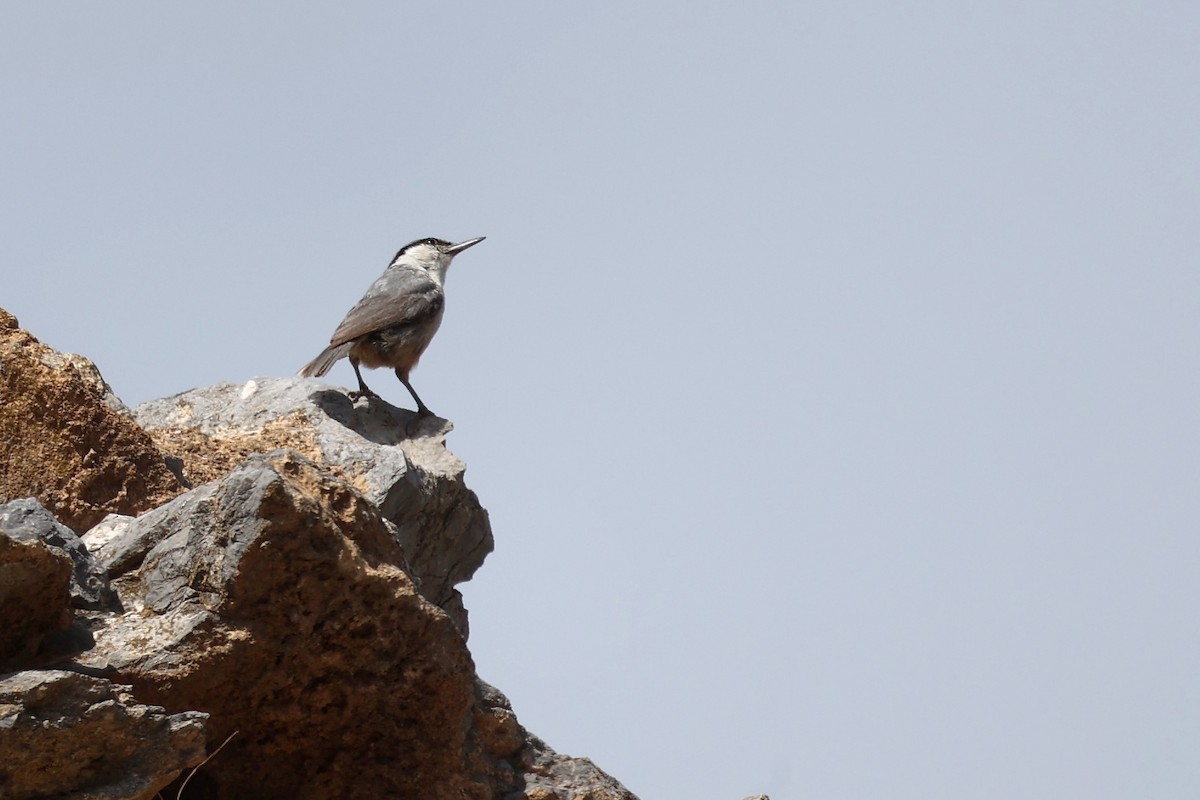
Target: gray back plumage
{"points": [[403, 295]]}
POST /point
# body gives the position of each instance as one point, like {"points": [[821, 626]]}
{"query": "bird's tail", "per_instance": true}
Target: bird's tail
{"points": [[321, 364]]}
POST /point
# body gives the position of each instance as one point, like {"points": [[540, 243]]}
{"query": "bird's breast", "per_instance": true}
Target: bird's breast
{"points": [[397, 346]]}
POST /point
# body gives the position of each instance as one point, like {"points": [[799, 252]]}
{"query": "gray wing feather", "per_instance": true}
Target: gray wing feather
{"points": [[400, 296], [321, 364]]}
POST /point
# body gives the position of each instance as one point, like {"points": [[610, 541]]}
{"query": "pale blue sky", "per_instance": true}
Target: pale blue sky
{"points": [[829, 371]]}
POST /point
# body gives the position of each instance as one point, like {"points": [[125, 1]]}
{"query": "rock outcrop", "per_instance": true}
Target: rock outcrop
{"points": [[69, 735], [27, 520], [65, 439], [279, 605], [287, 586], [398, 461], [35, 600]]}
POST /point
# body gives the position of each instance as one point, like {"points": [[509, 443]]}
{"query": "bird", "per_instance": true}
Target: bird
{"points": [[396, 319]]}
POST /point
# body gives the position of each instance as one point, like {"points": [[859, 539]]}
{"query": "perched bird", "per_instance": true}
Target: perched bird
{"points": [[396, 319]]}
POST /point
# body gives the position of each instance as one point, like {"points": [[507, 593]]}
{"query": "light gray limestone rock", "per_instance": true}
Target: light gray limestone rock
{"points": [[398, 460]]}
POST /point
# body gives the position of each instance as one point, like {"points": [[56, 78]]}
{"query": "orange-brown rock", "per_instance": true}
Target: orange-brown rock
{"points": [[275, 604], [64, 443], [303, 598], [35, 601], [69, 735]]}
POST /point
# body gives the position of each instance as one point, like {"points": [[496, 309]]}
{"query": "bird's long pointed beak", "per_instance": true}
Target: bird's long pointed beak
{"points": [[458, 248]]}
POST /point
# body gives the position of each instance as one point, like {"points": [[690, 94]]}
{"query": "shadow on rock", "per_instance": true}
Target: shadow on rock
{"points": [[377, 420]]}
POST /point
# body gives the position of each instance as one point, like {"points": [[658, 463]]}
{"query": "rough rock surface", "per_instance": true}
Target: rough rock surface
{"points": [[63, 441], [69, 735], [273, 600], [550, 776], [35, 602], [397, 460], [27, 520], [295, 582]]}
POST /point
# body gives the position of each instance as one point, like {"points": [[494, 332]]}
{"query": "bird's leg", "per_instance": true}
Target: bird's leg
{"points": [[363, 390], [421, 407]]}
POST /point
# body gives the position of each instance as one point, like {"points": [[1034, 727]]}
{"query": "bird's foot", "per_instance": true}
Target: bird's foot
{"points": [[355, 396]]}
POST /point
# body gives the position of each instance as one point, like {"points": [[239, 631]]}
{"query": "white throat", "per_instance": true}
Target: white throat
{"points": [[430, 259]]}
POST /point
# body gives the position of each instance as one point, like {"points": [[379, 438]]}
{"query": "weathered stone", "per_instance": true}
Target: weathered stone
{"points": [[27, 520], [273, 600], [69, 735], [62, 442], [35, 600], [539, 772], [129, 539], [101, 537], [547, 774], [500, 732], [397, 460], [304, 595]]}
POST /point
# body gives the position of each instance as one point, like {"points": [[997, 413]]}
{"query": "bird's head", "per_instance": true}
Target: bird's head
{"points": [[432, 255]]}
